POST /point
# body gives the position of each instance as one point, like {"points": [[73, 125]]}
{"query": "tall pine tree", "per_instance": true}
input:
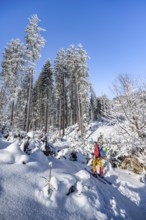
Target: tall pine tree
{"points": [[12, 72], [34, 44]]}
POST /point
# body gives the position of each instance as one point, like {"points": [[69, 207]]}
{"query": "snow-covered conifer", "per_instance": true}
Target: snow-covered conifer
{"points": [[21, 105], [45, 86], [93, 103], [13, 66], [71, 92], [34, 44], [60, 75], [104, 106], [81, 75]]}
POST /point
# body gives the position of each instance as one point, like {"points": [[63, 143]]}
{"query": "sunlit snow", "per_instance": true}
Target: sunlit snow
{"points": [[34, 186]]}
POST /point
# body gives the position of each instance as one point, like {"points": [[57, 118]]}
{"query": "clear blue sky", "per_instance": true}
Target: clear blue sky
{"points": [[113, 32]]}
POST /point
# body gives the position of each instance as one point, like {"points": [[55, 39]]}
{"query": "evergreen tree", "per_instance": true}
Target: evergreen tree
{"points": [[36, 107], [81, 75], [2, 104], [12, 72], [60, 72], [21, 104], [93, 104], [72, 87], [45, 89], [34, 43], [104, 106]]}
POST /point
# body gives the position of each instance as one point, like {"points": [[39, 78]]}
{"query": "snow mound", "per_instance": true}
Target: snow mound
{"points": [[13, 154]]}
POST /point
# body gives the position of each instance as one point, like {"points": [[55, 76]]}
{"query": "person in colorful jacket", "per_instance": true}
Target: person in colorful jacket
{"points": [[97, 159]]}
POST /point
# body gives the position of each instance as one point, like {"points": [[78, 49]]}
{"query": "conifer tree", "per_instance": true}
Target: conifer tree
{"points": [[45, 89], [36, 105], [60, 72], [12, 72], [93, 104], [21, 104], [104, 106], [72, 94], [2, 104], [34, 43], [81, 75]]}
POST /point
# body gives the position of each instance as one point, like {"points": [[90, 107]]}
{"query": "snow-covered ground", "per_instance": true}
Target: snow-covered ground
{"points": [[24, 184]]}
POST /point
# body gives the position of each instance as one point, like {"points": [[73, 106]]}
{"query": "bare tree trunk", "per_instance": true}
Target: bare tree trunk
{"points": [[76, 109], [63, 102], [91, 113], [78, 104], [12, 113], [29, 100], [81, 115], [25, 110], [67, 112], [60, 117], [46, 113], [71, 121]]}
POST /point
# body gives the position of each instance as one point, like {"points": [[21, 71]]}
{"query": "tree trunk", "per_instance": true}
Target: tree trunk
{"points": [[60, 117], [81, 116], [78, 104], [12, 113], [66, 112], [63, 113], [29, 100], [46, 113]]}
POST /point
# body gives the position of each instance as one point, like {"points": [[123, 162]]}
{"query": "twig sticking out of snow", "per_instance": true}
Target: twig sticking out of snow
{"points": [[50, 187]]}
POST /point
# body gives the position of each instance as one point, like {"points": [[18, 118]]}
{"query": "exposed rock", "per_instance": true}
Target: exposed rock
{"points": [[132, 164]]}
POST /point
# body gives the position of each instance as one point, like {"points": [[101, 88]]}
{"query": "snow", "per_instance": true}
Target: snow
{"points": [[30, 134], [33, 186]]}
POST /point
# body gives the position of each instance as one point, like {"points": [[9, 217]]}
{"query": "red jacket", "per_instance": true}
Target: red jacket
{"points": [[96, 151]]}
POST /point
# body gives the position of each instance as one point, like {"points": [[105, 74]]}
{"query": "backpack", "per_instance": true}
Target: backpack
{"points": [[102, 152], [96, 151]]}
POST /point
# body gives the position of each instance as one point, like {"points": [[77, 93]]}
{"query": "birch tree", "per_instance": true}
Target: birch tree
{"points": [[129, 107]]}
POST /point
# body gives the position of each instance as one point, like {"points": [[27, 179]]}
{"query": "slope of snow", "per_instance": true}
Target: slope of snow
{"points": [[26, 179]]}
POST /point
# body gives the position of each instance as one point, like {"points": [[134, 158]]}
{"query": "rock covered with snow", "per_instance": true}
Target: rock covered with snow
{"points": [[133, 164]]}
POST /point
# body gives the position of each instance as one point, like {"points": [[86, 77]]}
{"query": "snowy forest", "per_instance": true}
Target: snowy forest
{"points": [[55, 118]]}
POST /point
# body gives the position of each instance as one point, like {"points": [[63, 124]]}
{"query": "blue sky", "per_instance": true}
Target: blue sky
{"points": [[113, 32]]}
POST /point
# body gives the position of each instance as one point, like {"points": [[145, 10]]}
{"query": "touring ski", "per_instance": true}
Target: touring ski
{"points": [[103, 178], [96, 176]]}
